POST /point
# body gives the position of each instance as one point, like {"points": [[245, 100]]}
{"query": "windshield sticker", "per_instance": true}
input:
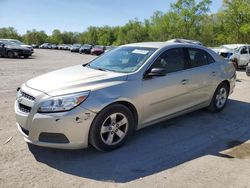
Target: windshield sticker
{"points": [[136, 51]]}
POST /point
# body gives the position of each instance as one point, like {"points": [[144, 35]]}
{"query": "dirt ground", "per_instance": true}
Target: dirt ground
{"points": [[200, 149]]}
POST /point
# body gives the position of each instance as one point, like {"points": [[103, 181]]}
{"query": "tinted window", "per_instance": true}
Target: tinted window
{"points": [[248, 48], [172, 60], [244, 50], [199, 57]]}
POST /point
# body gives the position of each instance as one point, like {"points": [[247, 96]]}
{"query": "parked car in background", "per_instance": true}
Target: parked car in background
{"points": [[18, 42], [54, 46], [227, 50], [128, 88], [108, 48], [12, 50], [248, 69], [241, 56], [67, 46], [75, 47], [35, 46], [85, 49], [45, 46], [98, 50], [61, 46]]}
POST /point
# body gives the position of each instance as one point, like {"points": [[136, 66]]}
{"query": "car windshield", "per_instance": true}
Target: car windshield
{"points": [[237, 50], [123, 59], [17, 42], [76, 45], [9, 43], [86, 46], [98, 47]]}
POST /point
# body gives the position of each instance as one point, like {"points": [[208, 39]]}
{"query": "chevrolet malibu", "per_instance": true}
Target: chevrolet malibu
{"points": [[126, 89]]}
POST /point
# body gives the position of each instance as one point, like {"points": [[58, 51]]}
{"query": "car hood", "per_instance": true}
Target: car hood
{"points": [[17, 47], [26, 46], [75, 79]]}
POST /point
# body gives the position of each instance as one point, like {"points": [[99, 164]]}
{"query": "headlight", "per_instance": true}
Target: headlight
{"points": [[62, 103]]}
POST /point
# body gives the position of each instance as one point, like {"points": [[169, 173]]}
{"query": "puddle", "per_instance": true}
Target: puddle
{"points": [[238, 150]]}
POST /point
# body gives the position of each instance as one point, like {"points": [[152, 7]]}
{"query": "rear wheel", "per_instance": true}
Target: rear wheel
{"points": [[10, 54], [111, 128], [220, 98]]}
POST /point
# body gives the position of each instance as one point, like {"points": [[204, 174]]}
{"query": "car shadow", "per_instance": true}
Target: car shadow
{"points": [[157, 148]]}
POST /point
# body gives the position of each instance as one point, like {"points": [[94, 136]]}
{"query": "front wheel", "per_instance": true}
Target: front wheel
{"points": [[111, 127], [10, 54], [220, 98]]}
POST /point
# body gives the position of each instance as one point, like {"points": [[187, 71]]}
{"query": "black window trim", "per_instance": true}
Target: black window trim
{"points": [[187, 56], [161, 53]]}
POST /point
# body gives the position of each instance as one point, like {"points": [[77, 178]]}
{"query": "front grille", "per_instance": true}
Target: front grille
{"points": [[27, 96], [24, 108]]}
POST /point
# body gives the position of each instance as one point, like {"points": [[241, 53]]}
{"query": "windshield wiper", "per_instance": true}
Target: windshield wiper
{"points": [[96, 68]]}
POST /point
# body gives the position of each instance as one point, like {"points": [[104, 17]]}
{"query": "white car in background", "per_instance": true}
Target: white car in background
{"points": [[241, 56], [228, 50]]}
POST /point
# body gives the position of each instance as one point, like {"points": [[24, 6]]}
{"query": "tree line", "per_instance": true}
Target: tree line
{"points": [[187, 19]]}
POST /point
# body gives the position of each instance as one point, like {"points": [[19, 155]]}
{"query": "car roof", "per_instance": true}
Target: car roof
{"points": [[162, 44]]}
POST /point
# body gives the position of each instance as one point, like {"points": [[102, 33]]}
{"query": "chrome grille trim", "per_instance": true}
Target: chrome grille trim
{"points": [[27, 96]]}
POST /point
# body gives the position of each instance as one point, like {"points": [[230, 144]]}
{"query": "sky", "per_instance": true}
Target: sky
{"points": [[78, 15]]}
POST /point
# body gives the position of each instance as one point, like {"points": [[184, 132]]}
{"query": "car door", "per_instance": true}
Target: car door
{"points": [[165, 95], [244, 56], [203, 76]]}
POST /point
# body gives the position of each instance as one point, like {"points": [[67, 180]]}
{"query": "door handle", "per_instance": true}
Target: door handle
{"points": [[213, 73], [184, 82]]}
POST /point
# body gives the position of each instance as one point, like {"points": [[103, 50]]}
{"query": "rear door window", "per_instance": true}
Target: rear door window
{"points": [[198, 57]]}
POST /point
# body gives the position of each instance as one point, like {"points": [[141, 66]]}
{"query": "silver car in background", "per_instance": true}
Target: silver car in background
{"points": [[126, 89]]}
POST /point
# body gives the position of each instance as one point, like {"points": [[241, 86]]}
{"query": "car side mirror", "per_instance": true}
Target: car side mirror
{"points": [[156, 72]]}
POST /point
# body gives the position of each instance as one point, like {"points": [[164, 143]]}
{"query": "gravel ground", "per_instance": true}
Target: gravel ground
{"points": [[200, 149]]}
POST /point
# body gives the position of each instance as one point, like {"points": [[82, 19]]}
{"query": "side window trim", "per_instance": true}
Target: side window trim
{"points": [[162, 53], [209, 58]]}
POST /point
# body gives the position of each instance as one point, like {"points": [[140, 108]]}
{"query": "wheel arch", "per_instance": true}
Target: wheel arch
{"points": [[227, 83]]}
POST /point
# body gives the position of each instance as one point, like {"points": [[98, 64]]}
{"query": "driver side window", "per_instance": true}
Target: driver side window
{"points": [[172, 60], [244, 50]]}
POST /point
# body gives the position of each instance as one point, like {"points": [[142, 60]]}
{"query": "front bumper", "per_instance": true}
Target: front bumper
{"points": [[64, 130], [23, 53]]}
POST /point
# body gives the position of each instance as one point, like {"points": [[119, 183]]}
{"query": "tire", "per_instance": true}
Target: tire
{"points": [[111, 127], [220, 98], [10, 54]]}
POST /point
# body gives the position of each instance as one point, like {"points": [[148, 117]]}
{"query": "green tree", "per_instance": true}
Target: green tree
{"points": [[190, 13], [236, 14], [9, 32], [133, 31], [35, 37]]}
